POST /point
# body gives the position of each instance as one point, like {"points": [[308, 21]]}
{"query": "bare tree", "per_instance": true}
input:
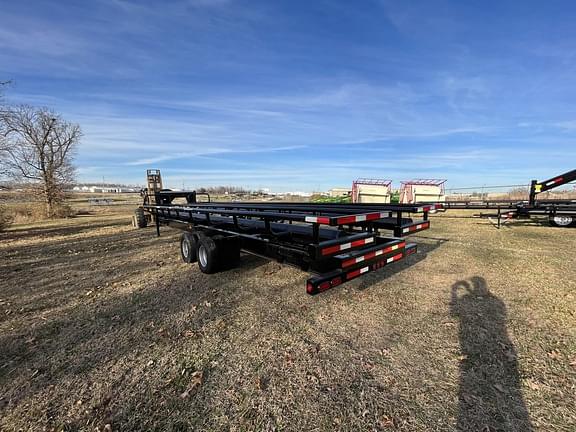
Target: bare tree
{"points": [[38, 149]]}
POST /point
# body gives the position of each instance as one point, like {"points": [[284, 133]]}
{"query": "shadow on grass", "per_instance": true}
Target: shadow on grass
{"points": [[378, 276], [490, 396]]}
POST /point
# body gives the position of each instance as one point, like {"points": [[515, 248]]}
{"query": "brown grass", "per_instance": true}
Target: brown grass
{"points": [[101, 324]]}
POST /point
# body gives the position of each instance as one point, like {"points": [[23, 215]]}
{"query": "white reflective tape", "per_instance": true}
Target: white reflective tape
{"points": [[311, 219], [394, 247], [369, 240], [364, 270], [405, 230], [383, 215], [360, 218], [550, 183], [389, 260], [419, 226], [345, 246], [359, 259], [379, 252]]}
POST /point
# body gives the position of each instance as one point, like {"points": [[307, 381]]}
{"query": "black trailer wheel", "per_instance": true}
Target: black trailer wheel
{"points": [[562, 221], [207, 253], [188, 247], [141, 221]]}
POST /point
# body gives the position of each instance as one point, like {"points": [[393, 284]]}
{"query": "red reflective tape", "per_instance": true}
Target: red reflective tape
{"points": [[349, 262], [373, 216], [394, 247], [357, 272], [353, 274], [317, 219], [324, 286], [361, 242], [369, 255], [345, 220], [330, 250], [421, 226], [397, 257], [339, 247]]}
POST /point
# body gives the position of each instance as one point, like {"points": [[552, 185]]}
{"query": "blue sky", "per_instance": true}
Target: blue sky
{"points": [[302, 95]]}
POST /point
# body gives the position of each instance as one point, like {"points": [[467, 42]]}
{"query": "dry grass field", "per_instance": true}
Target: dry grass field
{"points": [[103, 328]]}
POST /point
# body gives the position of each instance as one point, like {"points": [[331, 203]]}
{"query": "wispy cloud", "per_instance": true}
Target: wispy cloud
{"points": [[209, 152]]}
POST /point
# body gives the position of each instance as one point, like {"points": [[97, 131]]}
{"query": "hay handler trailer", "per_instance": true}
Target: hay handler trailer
{"points": [[334, 242], [560, 213]]}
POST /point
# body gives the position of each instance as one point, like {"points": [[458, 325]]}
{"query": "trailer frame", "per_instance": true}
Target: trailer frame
{"points": [[334, 242]]}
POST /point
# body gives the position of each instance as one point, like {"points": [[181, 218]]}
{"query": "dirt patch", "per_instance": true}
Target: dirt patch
{"points": [[101, 324]]}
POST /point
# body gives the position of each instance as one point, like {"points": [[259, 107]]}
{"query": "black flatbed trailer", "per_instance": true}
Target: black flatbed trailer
{"points": [[334, 242], [560, 213]]}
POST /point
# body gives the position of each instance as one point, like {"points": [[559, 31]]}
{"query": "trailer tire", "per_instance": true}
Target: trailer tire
{"points": [[208, 255], [140, 217], [188, 248], [562, 221]]}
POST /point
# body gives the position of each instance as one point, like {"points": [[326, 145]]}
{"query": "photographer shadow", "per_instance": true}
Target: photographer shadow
{"points": [[490, 396]]}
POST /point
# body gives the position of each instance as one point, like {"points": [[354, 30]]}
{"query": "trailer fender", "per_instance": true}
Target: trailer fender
{"points": [[228, 250]]}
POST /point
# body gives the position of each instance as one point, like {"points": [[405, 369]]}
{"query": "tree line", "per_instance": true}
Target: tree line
{"points": [[37, 148]]}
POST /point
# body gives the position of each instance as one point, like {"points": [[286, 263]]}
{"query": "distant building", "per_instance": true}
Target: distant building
{"points": [[339, 192], [103, 189]]}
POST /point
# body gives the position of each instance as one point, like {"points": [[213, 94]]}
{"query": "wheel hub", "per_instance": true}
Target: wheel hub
{"points": [[203, 255], [563, 220], [185, 249]]}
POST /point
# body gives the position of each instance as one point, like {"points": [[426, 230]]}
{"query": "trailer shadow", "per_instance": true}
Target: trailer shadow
{"points": [[424, 248], [490, 396]]}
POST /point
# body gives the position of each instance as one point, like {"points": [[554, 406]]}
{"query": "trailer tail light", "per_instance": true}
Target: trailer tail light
{"points": [[316, 288], [309, 288]]}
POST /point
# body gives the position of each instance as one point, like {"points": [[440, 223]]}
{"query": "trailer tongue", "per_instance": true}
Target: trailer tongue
{"points": [[335, 242]]}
